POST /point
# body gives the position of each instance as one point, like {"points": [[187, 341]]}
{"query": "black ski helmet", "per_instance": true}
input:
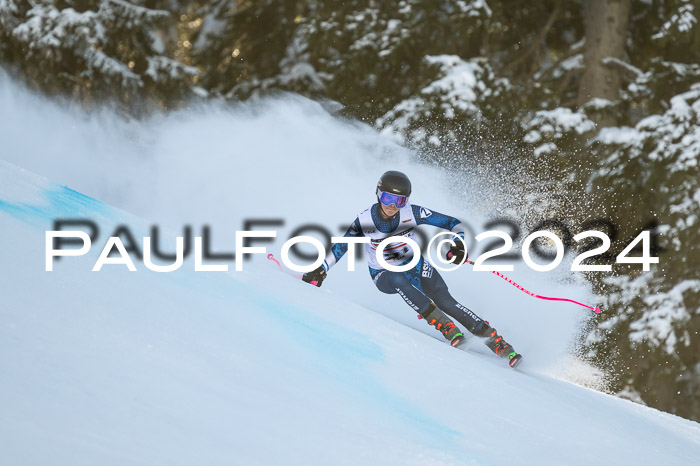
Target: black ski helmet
{"points": [[394, 182]]}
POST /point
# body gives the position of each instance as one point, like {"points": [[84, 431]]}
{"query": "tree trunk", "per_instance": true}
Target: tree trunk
{"points": [[606, 31]]}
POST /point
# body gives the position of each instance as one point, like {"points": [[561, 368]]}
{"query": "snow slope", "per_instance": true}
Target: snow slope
{"points": [[255, 367], [287, 159]]}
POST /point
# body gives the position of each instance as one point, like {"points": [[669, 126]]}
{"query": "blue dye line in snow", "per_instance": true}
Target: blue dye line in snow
{"points": [[60, 202], [353, 351], [340, 346]]}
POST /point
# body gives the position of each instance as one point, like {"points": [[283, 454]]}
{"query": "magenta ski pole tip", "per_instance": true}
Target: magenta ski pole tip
{"points": [[272, 258], [597, 310]]}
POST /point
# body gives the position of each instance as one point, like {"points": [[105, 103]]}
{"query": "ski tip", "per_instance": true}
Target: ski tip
{"points": [[457, 340], [515, 360]]}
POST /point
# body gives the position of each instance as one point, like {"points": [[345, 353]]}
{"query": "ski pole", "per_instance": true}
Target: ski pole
{"points": [[272, 258], [596, 309]]}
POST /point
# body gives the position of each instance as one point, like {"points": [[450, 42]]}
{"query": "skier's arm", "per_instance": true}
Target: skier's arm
{"points": [[430, 217], [436, 219], [338, 250]]}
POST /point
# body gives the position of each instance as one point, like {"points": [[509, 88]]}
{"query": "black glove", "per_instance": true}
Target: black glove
{"points": [[315, 277], [458, 251]]}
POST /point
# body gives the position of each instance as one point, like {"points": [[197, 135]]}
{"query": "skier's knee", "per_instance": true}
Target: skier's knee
{"points": [[395, 279], [388, 282], [436, 289], [439, 286], [387, 289], [434, 283]]}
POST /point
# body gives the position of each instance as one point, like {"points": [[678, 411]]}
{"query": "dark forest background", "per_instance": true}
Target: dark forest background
{"points": [[591, 107]]}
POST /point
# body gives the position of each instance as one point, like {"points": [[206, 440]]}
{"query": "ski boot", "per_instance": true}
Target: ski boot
{"points": [[498, 345], [440, 321]]}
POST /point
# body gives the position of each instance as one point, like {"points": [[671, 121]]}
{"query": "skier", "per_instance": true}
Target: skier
{"points": [[421, 287]]}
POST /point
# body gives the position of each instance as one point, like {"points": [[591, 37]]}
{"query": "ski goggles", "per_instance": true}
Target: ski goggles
{"points": [[388, 199]]}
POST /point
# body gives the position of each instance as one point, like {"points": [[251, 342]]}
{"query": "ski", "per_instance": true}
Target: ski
{"points": [[457, 340], [514, 359]]}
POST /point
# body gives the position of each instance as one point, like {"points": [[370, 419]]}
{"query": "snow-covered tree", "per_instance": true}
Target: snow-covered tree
{"points": [[449, 110], [243, 44], [366, 55], [654, 169], [94, 50]]}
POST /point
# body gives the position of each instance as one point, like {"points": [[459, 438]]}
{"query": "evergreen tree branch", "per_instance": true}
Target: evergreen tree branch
{"points": [[537, 43], [628, 71], [570, 53]]}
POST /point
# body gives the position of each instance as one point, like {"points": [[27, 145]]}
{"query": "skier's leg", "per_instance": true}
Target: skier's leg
{"points": [[399, 283], [435, 287]]}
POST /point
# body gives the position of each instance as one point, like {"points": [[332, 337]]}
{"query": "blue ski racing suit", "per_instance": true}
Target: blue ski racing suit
{"points": [[420, 286]]}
